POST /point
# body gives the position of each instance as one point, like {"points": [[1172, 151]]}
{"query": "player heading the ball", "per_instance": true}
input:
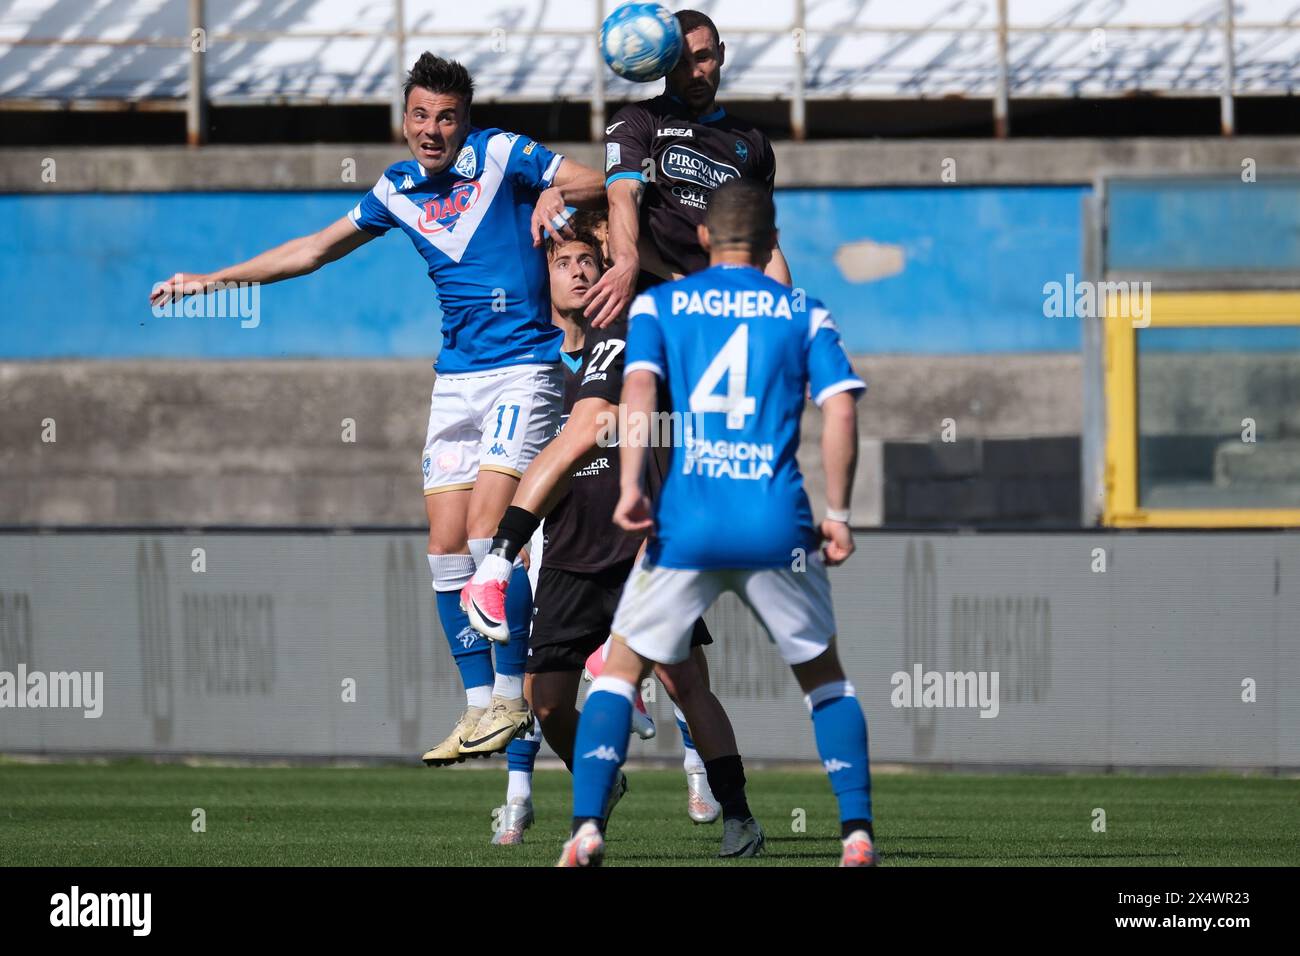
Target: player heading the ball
{"points": [[476, 204]]}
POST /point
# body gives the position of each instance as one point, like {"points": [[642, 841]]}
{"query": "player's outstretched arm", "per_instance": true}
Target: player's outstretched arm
{"points": [[840, 460], [633, 512], [294, 258], [591, 429], [612, 294]]}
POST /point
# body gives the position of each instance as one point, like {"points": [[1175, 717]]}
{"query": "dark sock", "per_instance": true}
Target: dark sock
{"points": [[848, 826], [727, 781], [516, 528]]}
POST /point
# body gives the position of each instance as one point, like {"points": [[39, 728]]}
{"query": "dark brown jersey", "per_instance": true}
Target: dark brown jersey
{"points": [[681, 161], [579, 534]]}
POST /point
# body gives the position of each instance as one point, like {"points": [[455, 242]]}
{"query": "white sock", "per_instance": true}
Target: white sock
{"points": [[480, 696], [691, 761], [508, 686], [520, 784], [604, 648], [493, 567]]}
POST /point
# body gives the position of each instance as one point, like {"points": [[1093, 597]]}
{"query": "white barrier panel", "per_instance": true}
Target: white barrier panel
{"points": [[1183, 651]]}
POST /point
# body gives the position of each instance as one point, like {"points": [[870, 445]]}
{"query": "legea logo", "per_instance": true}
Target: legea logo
{"points": [[443, 212]]}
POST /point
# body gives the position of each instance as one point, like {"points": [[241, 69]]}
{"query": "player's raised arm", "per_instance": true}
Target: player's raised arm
{"points": [[777, 268], [609, 297], [294, 258], [574, 185]]}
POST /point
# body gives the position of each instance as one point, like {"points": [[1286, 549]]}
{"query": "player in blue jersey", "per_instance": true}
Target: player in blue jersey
{"points": [[476, 204], [737, 353], [574, 484]]}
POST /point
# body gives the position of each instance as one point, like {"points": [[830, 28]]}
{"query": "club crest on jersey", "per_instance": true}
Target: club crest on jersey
{"points": [[686, 165], [465, 163], [442, 212], [742, 150]]}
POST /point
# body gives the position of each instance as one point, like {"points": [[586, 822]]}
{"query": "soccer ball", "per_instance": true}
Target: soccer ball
{"points": [[641, 41]]}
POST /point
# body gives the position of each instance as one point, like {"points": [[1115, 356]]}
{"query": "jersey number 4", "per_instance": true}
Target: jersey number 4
{"points": [[733, 362]]}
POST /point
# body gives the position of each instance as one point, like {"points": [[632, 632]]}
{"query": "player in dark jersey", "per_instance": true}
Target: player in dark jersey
{"points": [[585, 562], [663, 159]]}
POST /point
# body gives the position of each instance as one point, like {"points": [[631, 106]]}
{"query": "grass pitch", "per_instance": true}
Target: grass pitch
{"points": [[142, 814]]}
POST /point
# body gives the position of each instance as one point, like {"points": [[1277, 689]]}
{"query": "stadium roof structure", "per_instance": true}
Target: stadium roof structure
{"points": [[60, 54]]}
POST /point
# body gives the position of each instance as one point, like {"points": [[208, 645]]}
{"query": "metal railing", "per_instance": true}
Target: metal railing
{"points": [[196, 101]]}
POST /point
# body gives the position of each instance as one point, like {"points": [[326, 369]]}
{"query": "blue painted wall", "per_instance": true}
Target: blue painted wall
{"points": [[75, 273]]}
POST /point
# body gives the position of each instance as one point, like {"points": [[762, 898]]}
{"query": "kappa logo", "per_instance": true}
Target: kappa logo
{"points": [[466, 164], [467, 637], [496, 449], [603, 752], [443, 212], [835, 764], [407, 183]]}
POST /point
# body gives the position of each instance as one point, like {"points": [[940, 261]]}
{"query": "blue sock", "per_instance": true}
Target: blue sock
{"points": [[841, 732], [521, 755], [686, 734], [601, 745], [469, 649], [510, 658]]}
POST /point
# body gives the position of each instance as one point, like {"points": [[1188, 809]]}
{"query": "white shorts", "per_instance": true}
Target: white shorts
{"points": [[492, 421], [657, 611]]}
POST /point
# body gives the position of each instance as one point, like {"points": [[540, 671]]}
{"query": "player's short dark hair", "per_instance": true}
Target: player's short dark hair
{"points": [[690, 20], [437, 75], [741, 213], [580, 234]]}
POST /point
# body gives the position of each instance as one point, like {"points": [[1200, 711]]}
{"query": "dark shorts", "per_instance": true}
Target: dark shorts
{"points": [[572, 613]]}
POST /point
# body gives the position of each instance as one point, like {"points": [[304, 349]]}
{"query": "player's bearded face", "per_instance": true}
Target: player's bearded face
{"points": [[574, 270], [698, 73], [435, 126]]}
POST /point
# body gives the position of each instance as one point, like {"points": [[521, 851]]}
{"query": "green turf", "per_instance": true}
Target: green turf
{"points": [[139, 814]]}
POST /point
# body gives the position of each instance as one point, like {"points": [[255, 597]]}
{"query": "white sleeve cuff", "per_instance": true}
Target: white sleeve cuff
{"points": [[643, 366], [549, 176], [847, 385]]}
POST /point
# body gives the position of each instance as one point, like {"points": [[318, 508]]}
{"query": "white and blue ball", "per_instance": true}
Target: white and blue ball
{"points": [[641, 41]]}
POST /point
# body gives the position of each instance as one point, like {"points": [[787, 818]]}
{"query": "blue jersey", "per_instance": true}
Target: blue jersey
{"points": [[739, 353], [471, 224]]}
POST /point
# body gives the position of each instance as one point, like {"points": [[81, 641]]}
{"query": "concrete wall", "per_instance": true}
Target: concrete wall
{"points": [[851, 163], [259, 443]]}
